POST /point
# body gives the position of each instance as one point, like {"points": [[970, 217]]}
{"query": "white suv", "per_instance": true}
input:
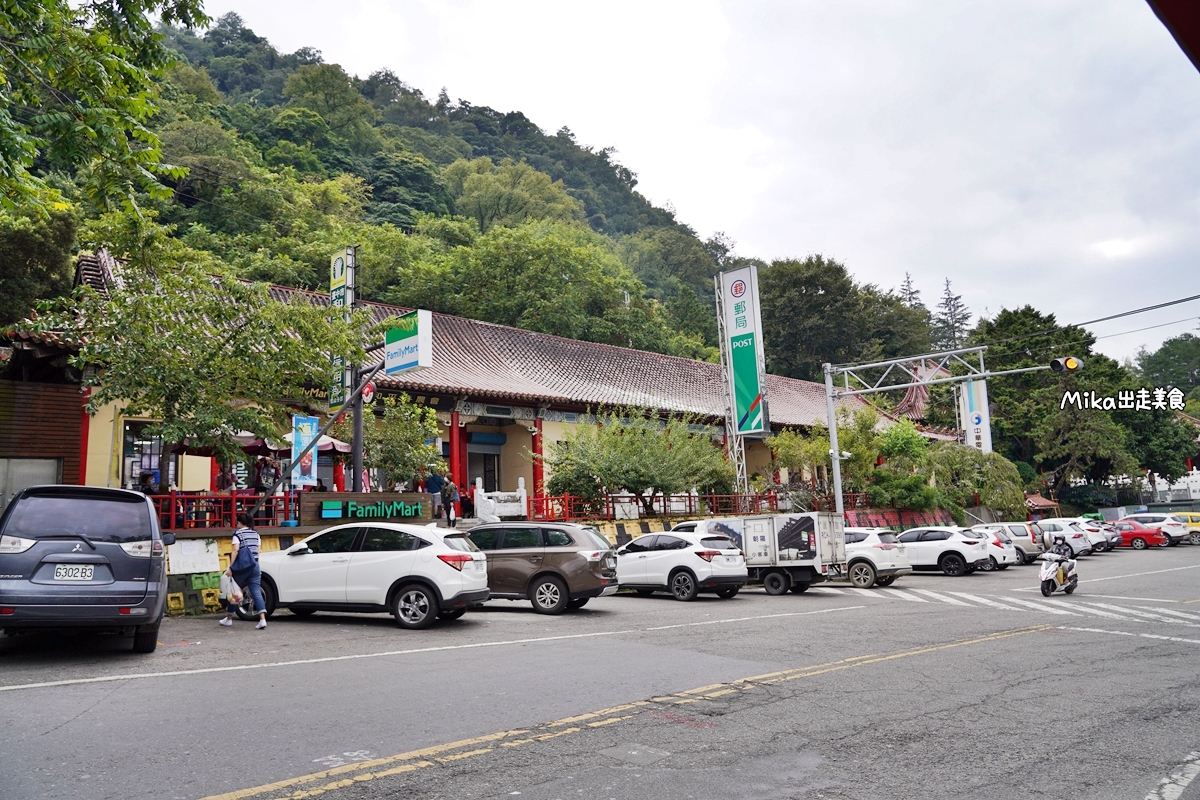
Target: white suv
{"points": [[683, 563], [1174, 528], [1002, 553], [955, 551], [415, 573], [1077, 538], [875, 557]]}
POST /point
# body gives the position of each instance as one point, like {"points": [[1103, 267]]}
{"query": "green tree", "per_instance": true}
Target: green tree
{"points": [[951, 321], [507, 194], [1161, 442], [668, 260], [397, 443], [76, 92], [811, 315], [960, 474], [809, 450], [36, 254], [203, 354], [329, 91], [628, 451], [1175, 363]]}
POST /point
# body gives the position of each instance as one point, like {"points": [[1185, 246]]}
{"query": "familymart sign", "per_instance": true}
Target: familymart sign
{"points": [[319, 509]]}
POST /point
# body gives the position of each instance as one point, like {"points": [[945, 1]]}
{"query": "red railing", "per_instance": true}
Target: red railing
{"points": [[850, 501], [186, 510], [570, 507]]}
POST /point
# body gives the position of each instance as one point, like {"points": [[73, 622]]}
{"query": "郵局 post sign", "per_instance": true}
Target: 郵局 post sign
{"points": [[408, 342], [743, 345]]}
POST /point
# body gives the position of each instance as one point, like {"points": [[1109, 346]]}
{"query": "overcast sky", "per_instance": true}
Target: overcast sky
{"points": [[1032, 151]]}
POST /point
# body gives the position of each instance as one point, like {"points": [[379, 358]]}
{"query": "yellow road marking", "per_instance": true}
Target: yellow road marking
{"points": [[607, 716], [1197, 600]]}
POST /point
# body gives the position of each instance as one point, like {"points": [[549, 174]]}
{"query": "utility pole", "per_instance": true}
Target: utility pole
{"points": [[356, 407]]}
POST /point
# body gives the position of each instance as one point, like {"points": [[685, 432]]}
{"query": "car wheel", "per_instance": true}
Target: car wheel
{"points": [[146, 640], [683, 586], [245, 609], [451, 614], [644, 592], [414, 607], [549, 595], [885, 581], [989, 565], [303, 612], [776, 583], [1047, 588], [953, 564], [1138, 544], [580, 603], [726, 594], [799, 588], [862, 575], [1194, 538]]}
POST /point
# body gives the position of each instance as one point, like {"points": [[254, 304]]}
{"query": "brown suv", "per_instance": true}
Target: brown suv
{"points": [[555, 567]]}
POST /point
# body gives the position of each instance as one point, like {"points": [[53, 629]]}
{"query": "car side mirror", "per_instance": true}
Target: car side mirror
{"points": [[621, 551], [300, 550], [168, 539]]}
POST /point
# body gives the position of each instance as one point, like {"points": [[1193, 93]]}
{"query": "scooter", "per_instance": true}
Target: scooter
{"points": [[1051, 582]]}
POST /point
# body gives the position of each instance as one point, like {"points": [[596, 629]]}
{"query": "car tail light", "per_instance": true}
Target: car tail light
{"points": [[157, 547], [132, 611], [15, 544], [594, 555], [142, 549], [456, 560], [884, 546], [998, 543], [1077, 536], [707, 555], [7, 611]]}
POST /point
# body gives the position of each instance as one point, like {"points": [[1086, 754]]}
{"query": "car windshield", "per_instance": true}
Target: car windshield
{"points": [[888, 538], [459, 541], [718, 543], [99, 519], [597, 539]]}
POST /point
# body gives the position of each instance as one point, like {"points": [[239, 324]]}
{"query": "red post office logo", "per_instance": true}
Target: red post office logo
{"points": [[738, 288]]}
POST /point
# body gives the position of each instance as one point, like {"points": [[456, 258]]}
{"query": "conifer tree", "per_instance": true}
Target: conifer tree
{"points": [[950, 321]]}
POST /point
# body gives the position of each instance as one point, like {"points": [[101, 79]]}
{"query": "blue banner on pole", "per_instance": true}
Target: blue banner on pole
{"points": [[304, 470]]}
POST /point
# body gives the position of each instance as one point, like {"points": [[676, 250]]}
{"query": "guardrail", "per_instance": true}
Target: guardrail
{"points": [[187, 510], [614, 507]]}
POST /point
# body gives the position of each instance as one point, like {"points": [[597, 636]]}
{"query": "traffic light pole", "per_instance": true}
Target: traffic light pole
{"points": [[907, 366]]}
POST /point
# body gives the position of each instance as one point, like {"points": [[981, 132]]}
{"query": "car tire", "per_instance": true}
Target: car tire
{"points": [[414, 607], [776, 583], [1194, 538], [1138, 543], [886, 580], [729, 593], [1047, 588], [580, 603], [683, 586], [798, 588], [862, 575], [549, 595], [303, 612], [644, 592], [146, 641], [451, 614], [990, 564], [245, 609], [953, 565]]}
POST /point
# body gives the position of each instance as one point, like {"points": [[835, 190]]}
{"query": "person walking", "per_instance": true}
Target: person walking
{"points": [[434, 485], [244, 569], [449, 498]]}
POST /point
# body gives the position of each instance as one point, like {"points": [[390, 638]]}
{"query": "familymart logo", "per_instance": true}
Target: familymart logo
{"points": [[336, 509]]}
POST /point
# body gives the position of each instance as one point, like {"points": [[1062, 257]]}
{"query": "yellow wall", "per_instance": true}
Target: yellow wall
{"points": [[197, 474], [551, 432], [758, 458], [515, 461], [104, 447]]}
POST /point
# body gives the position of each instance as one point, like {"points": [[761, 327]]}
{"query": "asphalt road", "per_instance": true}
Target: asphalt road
{"points": [[936, 687]]}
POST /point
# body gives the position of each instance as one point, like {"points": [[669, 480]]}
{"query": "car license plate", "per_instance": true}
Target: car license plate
{"points": [[731, 559], [480, 566], [73, 572]]}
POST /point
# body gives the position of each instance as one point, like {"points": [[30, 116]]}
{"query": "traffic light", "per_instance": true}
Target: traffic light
{"points": [[1068, 364]]}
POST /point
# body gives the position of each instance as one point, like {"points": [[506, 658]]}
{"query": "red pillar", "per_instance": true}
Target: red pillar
{"points": [[456, 438], [84, 425], [538, 469], [339, 476]]}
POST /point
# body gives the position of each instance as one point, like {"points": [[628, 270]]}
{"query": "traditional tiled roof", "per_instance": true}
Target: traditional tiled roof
{"points": [[482, 360]]}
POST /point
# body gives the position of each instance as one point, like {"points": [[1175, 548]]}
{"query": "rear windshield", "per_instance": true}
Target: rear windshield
{"points": [[888, 538], [718, 543], [597, 539], [101, 520], [459, 541]]}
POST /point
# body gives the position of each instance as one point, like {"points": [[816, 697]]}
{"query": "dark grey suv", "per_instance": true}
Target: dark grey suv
{"points": [[83, 557]]}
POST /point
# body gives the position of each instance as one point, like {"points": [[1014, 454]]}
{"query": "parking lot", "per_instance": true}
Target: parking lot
{"points": [[935, 687]]}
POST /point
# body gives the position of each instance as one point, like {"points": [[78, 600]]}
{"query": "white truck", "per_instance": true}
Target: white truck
{"points": [[784, 551]]}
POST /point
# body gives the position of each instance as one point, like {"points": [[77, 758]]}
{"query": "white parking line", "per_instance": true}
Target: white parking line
{"points": [[1042, 607], [328, 659], [1084, 608], [941, 598], [1172, 786], [827, 590], [1145, 615], [1117, 577], [867, 593], [1130, 633], [1193, 617], [985, 602], [904, 595]]}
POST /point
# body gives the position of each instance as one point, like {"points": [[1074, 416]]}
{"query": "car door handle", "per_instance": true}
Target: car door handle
{"points": [[535, 559], [641, 556], [339, 560]]}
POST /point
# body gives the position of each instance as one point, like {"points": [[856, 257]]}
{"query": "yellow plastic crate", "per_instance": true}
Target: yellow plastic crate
{"points": [[175, 602]]}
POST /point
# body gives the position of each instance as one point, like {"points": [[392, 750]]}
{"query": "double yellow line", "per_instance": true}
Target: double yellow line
{"points": [[319, 783]]}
